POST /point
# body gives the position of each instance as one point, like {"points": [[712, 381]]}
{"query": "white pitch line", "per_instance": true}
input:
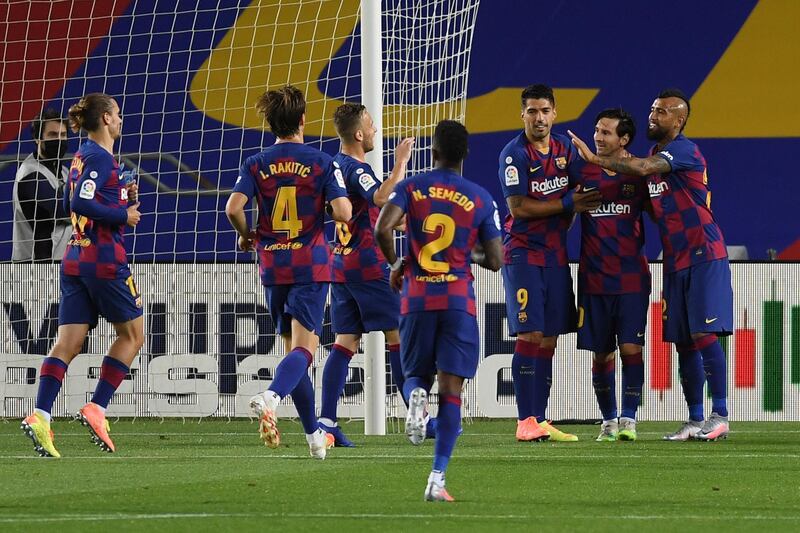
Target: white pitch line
{"points": [[421, 456], [240, 433], [379, 516]]}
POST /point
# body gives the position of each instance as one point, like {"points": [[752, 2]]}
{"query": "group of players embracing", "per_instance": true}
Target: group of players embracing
{"points": [[424, 300]]}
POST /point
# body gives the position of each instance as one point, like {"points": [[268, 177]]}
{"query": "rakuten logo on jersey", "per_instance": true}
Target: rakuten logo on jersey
{"points": [[656, 189], [550, 186], [611, 210]]}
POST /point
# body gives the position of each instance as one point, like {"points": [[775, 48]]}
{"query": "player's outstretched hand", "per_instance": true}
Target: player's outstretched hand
{"points": [[133, 215], [586, 200], [396, 279], [247, 244], [583, 150], [403, 150]]}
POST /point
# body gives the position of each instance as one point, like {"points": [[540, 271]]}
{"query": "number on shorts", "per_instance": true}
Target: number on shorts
{"points": [[284, 213], [522, 299], [431, 224], [343, 233], [132, 286], [581, 315]]}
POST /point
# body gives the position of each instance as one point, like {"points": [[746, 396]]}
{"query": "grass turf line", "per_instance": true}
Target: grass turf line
{"points": [[216, 476]]}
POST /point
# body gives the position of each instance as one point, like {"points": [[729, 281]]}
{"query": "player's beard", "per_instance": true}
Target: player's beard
{"points": [[657, 134]]}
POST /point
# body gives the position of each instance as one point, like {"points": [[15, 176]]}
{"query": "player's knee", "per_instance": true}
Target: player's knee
{"points": [[66, 349], [532, 336]]}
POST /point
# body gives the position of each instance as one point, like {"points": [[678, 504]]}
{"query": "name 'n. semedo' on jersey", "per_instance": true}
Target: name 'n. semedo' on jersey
{"points": [[446, 215]]}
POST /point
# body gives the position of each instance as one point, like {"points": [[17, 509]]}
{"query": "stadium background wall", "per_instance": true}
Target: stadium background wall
{"points": [[211, 346], [739, 65]]}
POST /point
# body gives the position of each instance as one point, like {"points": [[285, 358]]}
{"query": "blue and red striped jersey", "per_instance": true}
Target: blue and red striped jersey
{"points": [[356, 256], [524, 171], [97, 202], [612, 236], [291, 183], [682, 206], [446, 215]]}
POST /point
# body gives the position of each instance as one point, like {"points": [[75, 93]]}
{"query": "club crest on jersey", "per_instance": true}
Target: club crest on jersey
{"points": [[561, 162], [628, 190], [366, 181], [87, 190], [512, 175], [522, 317]]}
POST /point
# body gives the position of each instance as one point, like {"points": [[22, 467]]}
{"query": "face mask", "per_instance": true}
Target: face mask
{"points": [[54, 148]]}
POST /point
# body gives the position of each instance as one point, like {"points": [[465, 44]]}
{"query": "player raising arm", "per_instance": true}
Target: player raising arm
{"points": [[291, 183], [698, 300], [361, 299], [95, 278], [446, 217]]}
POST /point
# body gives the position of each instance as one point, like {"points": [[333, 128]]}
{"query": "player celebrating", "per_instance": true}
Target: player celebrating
{"points": [[613, 278], [535, 173], [698, 300], [291, 182], [361, 299], [446, 217], [95, 278]]}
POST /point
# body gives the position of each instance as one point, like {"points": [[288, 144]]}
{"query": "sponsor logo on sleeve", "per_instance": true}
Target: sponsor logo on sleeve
{"points": [[509, 159], [359, 171], [366, 181], [335, 164], [512, 175], [93, 174], [666, 154], [496, 216], [392, 195], [339, 178], [238, 180], [87, 189]]}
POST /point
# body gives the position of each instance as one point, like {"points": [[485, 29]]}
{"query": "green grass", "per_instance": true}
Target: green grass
{"points": [[216, 476]]}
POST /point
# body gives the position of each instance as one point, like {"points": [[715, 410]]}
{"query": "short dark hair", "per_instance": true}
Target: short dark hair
{"points": [[347, 119], [673, 92], [86, 114], [625, 124], [536, 92], [283, 108], [37, 124], [450, 139]]}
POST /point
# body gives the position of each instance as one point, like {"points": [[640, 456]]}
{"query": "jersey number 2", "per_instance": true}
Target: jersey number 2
{"points": [[432, 224], [284, 213]]}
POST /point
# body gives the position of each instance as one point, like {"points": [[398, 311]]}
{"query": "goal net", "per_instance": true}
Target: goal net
{"points": [[186, 77]]}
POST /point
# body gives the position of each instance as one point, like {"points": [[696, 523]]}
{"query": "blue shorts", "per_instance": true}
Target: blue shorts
{"points": [[304, 303], [439, 340], [358, 307], [698, 299], [608, 320], [83, 299], [539, 299]]}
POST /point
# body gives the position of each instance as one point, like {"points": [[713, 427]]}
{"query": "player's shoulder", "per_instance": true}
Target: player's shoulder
{"points": [[682, 147], [478, 191], [561, 144], [352, 167], [514, 148]]}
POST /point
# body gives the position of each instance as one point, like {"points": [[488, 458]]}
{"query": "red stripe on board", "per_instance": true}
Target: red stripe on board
{"points": [[745, 367], [660, 352]]}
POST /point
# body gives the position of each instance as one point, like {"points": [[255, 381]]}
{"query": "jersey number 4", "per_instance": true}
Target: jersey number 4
{"points": [[284, 213], [432, 224]]}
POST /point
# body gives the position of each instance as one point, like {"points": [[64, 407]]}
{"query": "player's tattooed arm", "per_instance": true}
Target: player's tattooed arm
{"points": [[634, 166]]}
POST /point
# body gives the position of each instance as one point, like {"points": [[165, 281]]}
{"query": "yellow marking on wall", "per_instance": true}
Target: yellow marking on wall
{"points": [[271, 45], [751, 92]]}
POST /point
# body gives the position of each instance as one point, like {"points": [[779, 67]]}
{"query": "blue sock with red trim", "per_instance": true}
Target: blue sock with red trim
{"points": [[449, 421], [605, 386], [290, 370], [112, 373], [51, 376], [716, 370], [334, 378]]}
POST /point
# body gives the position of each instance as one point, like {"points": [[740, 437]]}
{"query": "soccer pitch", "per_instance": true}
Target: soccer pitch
{"points": [[216, 475]]}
